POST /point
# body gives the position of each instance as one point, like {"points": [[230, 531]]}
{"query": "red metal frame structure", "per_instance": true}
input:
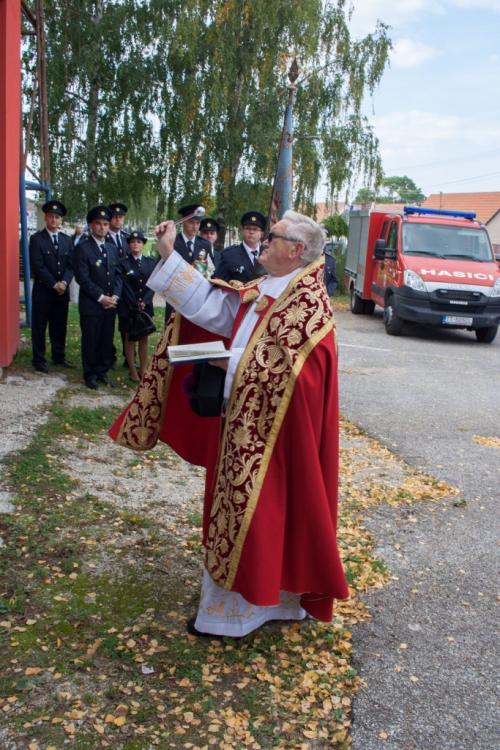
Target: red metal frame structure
{"points": [[10, 118]]}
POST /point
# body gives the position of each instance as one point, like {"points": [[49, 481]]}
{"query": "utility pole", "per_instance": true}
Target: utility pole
{"points": [[282, 195], [42, 93]]}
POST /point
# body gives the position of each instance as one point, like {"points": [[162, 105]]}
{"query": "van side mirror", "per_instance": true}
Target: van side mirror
{"points": [[380, 248], [497, 257]]}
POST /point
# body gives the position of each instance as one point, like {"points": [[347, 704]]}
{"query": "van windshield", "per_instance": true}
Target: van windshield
{"points": [[446, 242]]}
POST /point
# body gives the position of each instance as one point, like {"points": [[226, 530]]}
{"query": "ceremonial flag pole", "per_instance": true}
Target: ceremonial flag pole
{"points": [[282, 195]]}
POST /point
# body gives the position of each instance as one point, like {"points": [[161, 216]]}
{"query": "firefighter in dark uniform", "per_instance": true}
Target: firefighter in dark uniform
{"points": [[136, 270], [240, 262], [50, 252], [188, 244], [116, 235], [209, 231], [119, 238], [97, 270], [330, 272]]}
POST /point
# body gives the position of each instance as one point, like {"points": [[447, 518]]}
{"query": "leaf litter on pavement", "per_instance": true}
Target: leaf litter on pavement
{"points": [[100, 571]]}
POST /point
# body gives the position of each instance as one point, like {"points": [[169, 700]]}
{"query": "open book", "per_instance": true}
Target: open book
{"points": [[184, 354]]}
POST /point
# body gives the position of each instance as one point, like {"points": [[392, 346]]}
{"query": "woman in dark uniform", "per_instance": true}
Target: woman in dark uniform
{"points": [[136, 269]]}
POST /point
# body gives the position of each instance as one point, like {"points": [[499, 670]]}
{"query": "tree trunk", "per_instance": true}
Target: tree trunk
{"points": [[91, 189]]}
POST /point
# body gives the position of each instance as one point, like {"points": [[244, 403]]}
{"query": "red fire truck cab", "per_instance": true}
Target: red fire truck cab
{"points": [[424, 266]]}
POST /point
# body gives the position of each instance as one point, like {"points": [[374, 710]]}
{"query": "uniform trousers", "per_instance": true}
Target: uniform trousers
{"points": [[48, 308], [97, 343]]}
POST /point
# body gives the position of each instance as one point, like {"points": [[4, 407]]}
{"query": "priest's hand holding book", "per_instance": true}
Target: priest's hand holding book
{"points": [[213, 352]]}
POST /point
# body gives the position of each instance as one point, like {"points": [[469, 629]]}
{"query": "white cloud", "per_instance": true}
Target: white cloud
{"points": [[457, 153], [477, 4], [367, 12], [408, 53]]}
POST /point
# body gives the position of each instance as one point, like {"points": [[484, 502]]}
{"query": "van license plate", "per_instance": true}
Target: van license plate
{"points": [[456, 320]]}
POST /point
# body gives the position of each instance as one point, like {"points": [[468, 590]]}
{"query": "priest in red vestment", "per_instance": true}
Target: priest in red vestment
{"points": [[270, 511]]}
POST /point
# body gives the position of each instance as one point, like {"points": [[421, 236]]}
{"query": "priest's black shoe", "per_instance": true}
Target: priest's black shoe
{"points": [[106, 381], [191, 629], [91, 383], [65, 364], [41, 368]]}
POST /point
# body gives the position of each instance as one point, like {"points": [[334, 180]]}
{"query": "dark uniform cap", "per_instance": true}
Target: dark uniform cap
{"points": [[209, 224], [118, 209], [98, 212], [54, 207], [186, 210], [137, 235], [253, 219]]}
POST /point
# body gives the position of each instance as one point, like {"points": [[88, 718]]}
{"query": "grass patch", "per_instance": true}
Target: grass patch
{"points": [[23, 357], [93, 605], [94, 639]]}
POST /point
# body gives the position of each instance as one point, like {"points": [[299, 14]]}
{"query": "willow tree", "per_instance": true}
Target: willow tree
{"points": [[184, 99], [102, 141], [223, 94]]}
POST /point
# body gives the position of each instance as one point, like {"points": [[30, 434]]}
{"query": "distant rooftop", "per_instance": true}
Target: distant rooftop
{"points": [[486, 205]]}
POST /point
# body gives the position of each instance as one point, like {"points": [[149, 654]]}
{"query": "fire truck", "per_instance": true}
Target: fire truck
{"points": [[424, 266]]}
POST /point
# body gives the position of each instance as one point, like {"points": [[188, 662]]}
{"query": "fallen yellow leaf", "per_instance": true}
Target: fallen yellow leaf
{"points": [[32, 670]]}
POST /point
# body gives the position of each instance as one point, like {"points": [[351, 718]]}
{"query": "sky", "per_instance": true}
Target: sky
{"points": [[436, 111]]}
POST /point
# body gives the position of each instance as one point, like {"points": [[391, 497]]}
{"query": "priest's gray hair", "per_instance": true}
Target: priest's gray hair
{"points": [[305, 230]]}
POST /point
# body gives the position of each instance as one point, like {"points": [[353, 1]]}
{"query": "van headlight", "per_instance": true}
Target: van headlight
{"points": [[414, 281], [495, 292]]}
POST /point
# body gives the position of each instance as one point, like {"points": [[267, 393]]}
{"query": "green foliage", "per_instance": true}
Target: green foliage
{"points": [[365, 195], [393, 190], [402, 190], [336, 226], [154, 100]]}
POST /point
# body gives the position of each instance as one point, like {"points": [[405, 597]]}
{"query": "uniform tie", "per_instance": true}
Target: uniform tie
{"points": [[190, 248], [56, 244], [119, 242]]}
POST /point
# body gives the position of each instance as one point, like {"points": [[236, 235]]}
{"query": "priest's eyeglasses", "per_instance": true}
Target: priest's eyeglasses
{"points": [[274, 236]]}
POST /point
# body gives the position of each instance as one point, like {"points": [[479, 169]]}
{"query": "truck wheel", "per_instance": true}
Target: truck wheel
{"points": [[486, 335], [357, 304], [369, 306], [393, 324]]}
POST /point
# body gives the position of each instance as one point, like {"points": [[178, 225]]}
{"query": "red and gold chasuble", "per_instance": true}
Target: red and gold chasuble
{"points": [[270, 512], [270, 509], [160, 408]]}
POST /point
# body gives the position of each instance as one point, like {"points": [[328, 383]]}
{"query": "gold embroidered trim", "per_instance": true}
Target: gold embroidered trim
{"points": [[269, 448], [235, 285], [260, 396], [144, 417]]}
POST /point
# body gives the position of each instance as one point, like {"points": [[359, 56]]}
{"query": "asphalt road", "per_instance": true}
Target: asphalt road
{"points": [[429, 655]]}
